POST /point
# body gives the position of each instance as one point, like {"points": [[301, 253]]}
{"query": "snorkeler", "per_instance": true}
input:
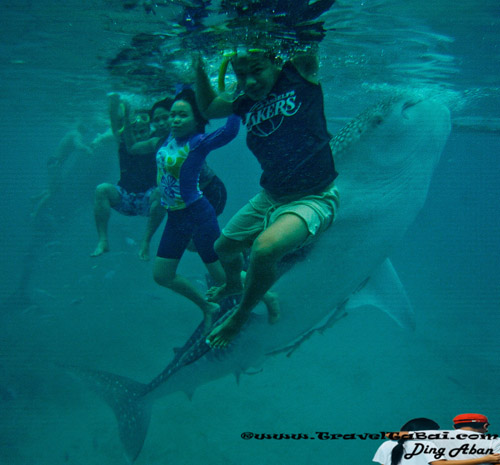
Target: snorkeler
{"points": [[210, 184], [71, 142], [190, 214], [282, 107], [136, 192]]}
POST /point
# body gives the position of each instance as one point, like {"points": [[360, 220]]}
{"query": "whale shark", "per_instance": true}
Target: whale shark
{"points": [[385, 157]]}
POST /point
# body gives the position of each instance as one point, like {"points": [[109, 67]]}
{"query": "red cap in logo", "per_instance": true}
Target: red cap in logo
{"points": [[470, 418]]}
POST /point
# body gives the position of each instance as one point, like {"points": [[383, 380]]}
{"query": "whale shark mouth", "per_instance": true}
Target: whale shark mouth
{"points": [[407, 105]]}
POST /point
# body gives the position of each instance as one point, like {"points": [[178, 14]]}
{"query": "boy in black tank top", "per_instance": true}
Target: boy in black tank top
{"points": [[282, 108]]}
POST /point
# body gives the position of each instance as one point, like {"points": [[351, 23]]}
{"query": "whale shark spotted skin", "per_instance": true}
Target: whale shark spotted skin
{"points": [[385, 158]]}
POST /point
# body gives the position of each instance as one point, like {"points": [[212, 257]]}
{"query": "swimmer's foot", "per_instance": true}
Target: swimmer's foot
{"points": [[223, 334], [272, 304], [102, 247], [144, 251], [217, 293], [209, 313]]}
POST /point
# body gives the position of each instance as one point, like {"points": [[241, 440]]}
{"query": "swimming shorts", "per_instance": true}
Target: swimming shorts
{"points": [[196, 221], [132, 204], [318, 212]]}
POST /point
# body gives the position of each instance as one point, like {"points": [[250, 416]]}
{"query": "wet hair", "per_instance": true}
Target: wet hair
{"points": [[165, 103], [188, 95], [270, 55], [417, 424]]}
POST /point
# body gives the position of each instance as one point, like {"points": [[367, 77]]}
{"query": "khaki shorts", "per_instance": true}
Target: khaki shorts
{"points": [[318, 212]]}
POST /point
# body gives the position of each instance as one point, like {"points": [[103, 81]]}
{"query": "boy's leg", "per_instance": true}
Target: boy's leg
{"points": [[238, 236], [271, 301], [287, 233], [230, 253]]}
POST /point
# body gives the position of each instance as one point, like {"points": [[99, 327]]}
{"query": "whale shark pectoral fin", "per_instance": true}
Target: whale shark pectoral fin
{"points": [[385, 291]]}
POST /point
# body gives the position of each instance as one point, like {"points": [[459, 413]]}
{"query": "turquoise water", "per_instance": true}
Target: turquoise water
{"points": [[363, 375]]}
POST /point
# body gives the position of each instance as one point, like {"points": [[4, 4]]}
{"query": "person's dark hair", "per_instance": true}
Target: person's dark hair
{"points": [[165, 103], [188, 95], [417, 424], [271, 55]]}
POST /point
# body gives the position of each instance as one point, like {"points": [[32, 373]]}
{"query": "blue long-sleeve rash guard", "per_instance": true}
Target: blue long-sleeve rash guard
{"points": [[179, 162]]}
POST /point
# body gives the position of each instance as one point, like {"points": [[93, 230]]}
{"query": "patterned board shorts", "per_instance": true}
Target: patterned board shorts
{"points": [[132, 204]]}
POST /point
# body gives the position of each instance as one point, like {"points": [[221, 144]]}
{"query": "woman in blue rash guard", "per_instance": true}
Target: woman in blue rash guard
{"points": [[179, 161]]}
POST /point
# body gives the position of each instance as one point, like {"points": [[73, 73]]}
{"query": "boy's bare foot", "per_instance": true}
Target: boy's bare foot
{"points": [[223, 334], [102, 247], [272, 304], [208, 316], [217, 293]]}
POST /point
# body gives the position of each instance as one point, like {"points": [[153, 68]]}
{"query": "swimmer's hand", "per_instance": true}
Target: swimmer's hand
{"points": [[197, 62]]}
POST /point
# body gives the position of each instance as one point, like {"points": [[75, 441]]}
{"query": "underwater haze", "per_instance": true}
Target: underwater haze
{"points": [[59, 306]]}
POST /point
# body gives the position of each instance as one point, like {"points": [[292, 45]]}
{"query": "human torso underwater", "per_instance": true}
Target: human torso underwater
{"points": [[178, 172], [137, 173], [287, 133], [180, 162]]}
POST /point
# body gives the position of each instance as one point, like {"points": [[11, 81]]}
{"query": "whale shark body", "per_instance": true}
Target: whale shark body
{"points": [[385, 159]]}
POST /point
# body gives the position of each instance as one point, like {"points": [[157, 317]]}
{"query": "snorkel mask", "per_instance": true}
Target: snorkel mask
{"points": [[142, 118]]}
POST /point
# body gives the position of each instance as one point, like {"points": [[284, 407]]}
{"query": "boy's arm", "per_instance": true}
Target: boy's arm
{"points": [[307, 65], [210, 103]]}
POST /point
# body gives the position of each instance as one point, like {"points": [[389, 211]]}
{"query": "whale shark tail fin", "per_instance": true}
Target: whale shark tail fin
{"points": [[128, 401]]}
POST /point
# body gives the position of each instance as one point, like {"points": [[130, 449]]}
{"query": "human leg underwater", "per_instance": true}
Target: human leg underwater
{"points": [[106, 196]]}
